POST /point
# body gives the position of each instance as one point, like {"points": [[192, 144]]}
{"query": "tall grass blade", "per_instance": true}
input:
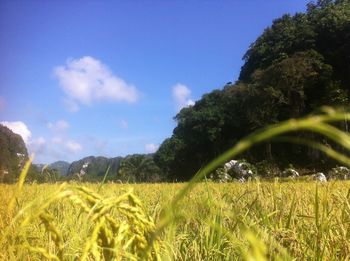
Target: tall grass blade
{"points": [[20, 183], [104, 179]]}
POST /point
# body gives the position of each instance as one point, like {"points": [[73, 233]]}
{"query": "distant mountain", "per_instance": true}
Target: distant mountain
{"points": [[38, 167], [13, 154], [61, 166], [94, 168]]}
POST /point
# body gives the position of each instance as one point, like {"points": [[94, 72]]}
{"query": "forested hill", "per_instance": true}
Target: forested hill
{"points": [[132, 168], [13, 154], [297, 65], [60, 166], [93, 167]]}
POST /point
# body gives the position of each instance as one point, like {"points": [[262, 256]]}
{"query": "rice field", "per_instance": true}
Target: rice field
{"points": [[252, 221]]}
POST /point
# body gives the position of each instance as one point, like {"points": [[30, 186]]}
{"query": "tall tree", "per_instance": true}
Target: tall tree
{"points": [[139, 168]]}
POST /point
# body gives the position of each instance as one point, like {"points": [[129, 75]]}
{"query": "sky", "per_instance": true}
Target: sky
{"points": [[106, 78]]}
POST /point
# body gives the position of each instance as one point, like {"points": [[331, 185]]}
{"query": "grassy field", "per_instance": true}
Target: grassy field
{"points": [[252, 221]]}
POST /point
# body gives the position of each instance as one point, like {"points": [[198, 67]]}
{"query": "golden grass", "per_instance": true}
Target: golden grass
{"points": [[253, 221]]}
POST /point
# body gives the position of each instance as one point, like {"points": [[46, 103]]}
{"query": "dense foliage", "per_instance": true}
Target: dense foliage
{"points": [[298, 64], [139, 168]]}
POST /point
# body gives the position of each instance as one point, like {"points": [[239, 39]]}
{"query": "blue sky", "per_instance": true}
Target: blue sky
{"points": [[80, 78]]}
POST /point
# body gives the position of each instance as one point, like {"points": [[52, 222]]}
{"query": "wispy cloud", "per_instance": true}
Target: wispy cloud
{"points": [[87, 80], [70, 105], [73, 146], [182, 96], [19, 127], [58, 126], [53, 149], [66, 145], [151, 147], [124, 124]]}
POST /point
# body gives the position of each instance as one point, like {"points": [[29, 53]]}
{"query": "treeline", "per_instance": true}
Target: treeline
{"points": [[297, 65]]}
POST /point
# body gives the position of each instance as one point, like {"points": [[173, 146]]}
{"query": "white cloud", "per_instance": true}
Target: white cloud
{"points": [[73, 146], [39, 141], [20, 128], [181, 95], [58, 126], [124, 124], [151, 147], [66, 145], [87, 80]]}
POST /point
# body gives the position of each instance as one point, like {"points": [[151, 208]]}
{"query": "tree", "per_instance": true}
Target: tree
{"points": [[138, 168], [286, 36]]}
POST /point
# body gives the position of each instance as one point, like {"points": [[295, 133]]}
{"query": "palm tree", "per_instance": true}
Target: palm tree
{"points": [[138, 168]]}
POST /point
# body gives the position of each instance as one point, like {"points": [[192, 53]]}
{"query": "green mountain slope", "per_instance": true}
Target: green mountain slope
{"points": [[13, 154], [94, 168], [61, 166]]}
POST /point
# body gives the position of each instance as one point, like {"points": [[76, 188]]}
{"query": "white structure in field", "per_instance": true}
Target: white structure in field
{"points": [[240, 168], [290, 173], [320, 177], [229, 165]]}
